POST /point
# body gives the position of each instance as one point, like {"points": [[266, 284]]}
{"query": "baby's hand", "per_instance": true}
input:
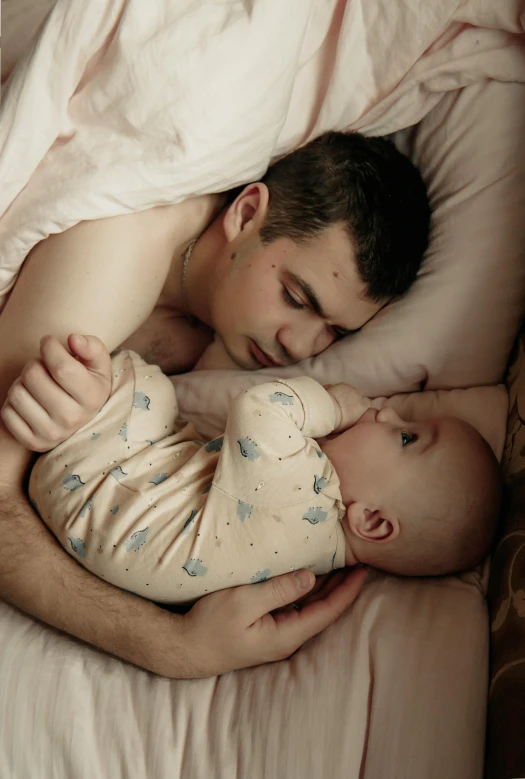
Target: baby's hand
{"points": [[350, 404], [59, 393]]}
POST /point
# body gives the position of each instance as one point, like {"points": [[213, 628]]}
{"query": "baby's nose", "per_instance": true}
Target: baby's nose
{"points": [[388, 415]]}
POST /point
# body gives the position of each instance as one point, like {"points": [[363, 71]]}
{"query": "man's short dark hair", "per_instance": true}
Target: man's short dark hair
{"points": [[370, 187]]}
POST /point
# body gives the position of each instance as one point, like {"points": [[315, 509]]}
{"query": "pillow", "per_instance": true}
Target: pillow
{"points": [[506, 714], [485, 408], [456, 326]]}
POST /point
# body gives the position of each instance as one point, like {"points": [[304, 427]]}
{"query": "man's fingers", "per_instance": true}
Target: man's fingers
{"points": [[67, 372], [92, 352], [296, 627], [326, 586], [277, 592]]}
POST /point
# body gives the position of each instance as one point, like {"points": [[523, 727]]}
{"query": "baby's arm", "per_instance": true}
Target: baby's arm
{"points": [[59, 393], [350, 405], [271, 424], [284, 496], [267, 426]]}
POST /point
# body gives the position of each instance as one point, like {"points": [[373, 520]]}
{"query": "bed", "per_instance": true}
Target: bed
{"points": [[398, 687]]}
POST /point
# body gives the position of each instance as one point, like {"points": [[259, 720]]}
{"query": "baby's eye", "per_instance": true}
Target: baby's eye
{"points": [[408, 438]]}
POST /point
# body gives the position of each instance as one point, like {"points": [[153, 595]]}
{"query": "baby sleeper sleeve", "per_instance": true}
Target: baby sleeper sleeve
{"points": [[275, 503]]}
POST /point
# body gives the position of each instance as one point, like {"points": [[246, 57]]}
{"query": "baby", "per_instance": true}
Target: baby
{"points": [[304, 477]]}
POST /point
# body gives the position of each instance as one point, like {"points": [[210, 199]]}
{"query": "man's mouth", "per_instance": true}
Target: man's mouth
{"points": [[263, 358]]}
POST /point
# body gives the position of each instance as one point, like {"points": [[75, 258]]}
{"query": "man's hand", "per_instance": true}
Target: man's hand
{"points": [[58, 393], [248, 625], [350, 404]]}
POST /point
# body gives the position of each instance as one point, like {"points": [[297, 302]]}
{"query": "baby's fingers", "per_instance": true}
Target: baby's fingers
{"points": [[20, 430], [44, 432], [92, 352], [68, 373], [57, 403]]}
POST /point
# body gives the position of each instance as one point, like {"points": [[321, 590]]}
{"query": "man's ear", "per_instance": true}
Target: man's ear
{"points": [[247, 213], [371, 525]]}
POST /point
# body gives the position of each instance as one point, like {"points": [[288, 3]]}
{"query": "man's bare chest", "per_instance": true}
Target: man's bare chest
{"points": [[170, 340]]}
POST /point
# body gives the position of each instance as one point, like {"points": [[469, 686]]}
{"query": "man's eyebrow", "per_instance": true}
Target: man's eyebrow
{"points": [[310, 294]]}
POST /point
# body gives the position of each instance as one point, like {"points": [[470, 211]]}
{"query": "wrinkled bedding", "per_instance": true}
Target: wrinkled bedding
{"points": [[140, 104]]}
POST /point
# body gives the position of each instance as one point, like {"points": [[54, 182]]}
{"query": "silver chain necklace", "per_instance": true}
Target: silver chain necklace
{"points": [[187, 255]]}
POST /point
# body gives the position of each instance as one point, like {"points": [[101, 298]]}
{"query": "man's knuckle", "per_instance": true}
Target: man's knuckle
{"points": [[280, 591]]}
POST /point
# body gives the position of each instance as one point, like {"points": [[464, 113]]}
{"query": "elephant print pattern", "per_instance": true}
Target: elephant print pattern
{"points": [[171, 517]]}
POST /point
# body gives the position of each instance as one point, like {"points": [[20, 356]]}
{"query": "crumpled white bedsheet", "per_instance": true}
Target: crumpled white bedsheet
{"points": [[122, 105]]}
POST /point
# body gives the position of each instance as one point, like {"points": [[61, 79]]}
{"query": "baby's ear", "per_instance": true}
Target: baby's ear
{"points": [[371, 525]]}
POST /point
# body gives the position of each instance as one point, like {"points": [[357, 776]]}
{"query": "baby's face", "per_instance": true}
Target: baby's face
{"points": [[383, 460]]}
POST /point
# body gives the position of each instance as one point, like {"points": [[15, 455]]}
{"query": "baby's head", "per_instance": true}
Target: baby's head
{"points": [[422, 498]]}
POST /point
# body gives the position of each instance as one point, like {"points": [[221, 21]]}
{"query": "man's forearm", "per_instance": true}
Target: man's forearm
{"points": [[40, 578]]}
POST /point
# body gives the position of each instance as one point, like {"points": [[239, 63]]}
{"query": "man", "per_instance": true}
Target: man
{"points": [[332, 233]]}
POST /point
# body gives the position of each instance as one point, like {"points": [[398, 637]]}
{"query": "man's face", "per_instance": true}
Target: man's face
{"points": [[280, 303]]}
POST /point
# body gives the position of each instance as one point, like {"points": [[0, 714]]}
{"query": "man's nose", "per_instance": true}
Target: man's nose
{"points": [[306, 340]]}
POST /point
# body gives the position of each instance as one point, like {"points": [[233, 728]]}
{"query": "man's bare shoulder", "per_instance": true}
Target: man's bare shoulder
{"points": [[160, 228], [143, 229]]}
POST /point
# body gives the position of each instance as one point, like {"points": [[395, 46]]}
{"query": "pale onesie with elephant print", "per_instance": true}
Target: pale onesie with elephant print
{"points": [[140, 500]]}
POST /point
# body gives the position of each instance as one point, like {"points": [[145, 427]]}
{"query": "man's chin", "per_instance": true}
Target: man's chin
{"points": [[246, 362]]}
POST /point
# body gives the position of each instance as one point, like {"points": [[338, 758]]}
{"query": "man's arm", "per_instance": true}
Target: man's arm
{"points": [[94, 279], [68, 284]]}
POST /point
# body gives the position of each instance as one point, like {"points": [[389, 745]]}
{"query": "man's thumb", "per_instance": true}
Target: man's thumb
{"points": [[283, 590], [91, 352]]}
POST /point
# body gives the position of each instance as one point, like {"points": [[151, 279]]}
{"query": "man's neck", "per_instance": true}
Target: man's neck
{"points": [[193, 225]]}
